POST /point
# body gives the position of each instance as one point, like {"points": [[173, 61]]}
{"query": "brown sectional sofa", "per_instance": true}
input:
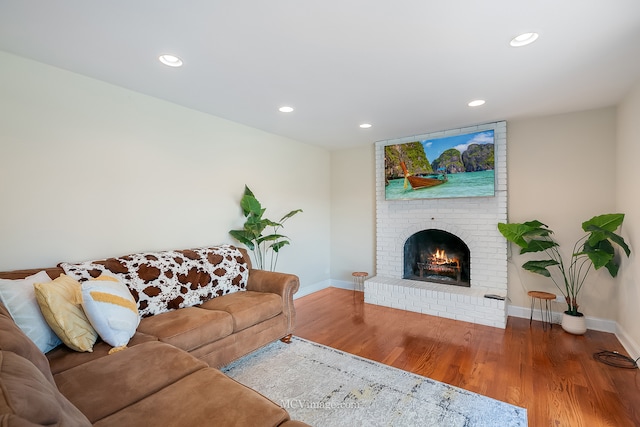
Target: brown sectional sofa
{"points": [[166, 377]]}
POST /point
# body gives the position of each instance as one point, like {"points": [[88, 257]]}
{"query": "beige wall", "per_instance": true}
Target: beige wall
{"points": [[90, 170], [562, 172], [352, 206], [628, 202]]}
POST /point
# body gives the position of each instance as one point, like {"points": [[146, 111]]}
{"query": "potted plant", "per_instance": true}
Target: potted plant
{"points": [[595, 249], [251, 234]]}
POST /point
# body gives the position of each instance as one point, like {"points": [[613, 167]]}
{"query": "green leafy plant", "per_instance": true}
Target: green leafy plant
{"points": [[594, 249], [251, 235]]}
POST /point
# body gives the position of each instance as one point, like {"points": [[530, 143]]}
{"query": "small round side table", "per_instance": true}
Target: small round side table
{"points": [[545, 313], [358, 280]]}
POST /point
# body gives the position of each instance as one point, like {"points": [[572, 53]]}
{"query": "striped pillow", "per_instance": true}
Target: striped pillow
{"points": [[111, 310]]}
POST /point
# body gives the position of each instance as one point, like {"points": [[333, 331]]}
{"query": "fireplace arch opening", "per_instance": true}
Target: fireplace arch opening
{"points": [[437, 256]]}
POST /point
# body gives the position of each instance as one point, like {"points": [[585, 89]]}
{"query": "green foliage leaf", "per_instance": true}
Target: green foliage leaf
{"points": [[270, 223], [247, 191], [251, 206], [289, 215], [513, 232], [540, 267], [609, 222], [534, 224], [612, 267], [620, 242], [521, 234], [255, 226], [243, 237], [599, 234], [599, 259], [270, 238], [538, 246], [278, 245], [601, 254]]}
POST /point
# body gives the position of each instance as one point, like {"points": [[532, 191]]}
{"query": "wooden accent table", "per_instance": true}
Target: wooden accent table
{"points": [[546, 313], [358, 280]]}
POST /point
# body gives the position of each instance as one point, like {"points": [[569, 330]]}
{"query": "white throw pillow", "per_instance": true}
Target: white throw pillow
{"points": [[111, 310], [20, 299]]}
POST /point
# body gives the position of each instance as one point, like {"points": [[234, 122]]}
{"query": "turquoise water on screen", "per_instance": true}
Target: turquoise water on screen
{"points": [[465, 184]]}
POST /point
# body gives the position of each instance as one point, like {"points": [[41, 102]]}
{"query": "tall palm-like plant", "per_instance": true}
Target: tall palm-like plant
{"points": [[594, 249], [251, 235]]}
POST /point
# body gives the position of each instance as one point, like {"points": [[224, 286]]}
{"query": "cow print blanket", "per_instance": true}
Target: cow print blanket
{"points": [[168, 280]]}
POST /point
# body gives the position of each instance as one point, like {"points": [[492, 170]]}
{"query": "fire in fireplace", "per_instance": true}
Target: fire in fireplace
{"points": [[437, 256]]}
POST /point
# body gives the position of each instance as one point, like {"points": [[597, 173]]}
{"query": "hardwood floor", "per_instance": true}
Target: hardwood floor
{"points": [[552, 373]]}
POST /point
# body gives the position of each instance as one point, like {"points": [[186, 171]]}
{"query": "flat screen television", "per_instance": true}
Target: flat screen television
{"points": [[444, 167]]}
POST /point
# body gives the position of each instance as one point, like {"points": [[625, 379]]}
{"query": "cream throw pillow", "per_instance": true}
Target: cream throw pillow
{"points": [[60, 303], [18, 296]]}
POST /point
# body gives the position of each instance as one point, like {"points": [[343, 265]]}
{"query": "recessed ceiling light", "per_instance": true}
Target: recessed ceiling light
{"points": [[170, 60], [285, 109], [365, 126], [476, 103], [523, 39]]}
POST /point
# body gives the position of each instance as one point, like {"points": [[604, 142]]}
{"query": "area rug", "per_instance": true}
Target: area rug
{"points": [[325, 387]]}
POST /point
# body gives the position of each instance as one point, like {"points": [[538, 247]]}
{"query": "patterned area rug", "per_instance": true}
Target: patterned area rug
{"points": [[325, 387]]}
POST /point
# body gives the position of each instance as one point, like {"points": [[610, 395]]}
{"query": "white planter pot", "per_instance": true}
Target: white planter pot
{"points": [[576, 325]]}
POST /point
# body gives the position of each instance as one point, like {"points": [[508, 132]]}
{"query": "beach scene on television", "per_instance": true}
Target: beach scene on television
{"points": [[452, 166]]}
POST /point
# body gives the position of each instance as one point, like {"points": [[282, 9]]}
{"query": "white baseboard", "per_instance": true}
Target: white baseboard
{"points": [[309, 289], [594, 323], [628, 343], [342, 284]]}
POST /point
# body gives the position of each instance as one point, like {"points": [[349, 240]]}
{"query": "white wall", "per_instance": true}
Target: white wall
{"points": [[352, 204], [90, 170], [628, 174]]}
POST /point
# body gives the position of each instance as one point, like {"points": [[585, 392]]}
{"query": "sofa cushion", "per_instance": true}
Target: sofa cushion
{"points": [[216, 399], [26, 396], [19, 298], [164, 281], [62, 357], [188, 328], [60, 303], [107, 385], [13, 339], [247, 308]]}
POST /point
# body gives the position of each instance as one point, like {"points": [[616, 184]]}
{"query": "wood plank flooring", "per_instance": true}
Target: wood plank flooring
{"points": [[552, 373]]}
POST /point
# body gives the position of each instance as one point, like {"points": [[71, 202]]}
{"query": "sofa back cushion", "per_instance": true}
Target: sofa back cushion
{"points": [[168, 280], [14, 340], [28, 398]]}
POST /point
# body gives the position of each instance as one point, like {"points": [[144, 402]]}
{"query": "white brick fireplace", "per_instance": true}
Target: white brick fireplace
{"points": [[472, 219]]}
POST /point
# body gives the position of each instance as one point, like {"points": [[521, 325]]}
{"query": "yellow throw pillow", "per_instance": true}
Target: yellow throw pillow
{"points": [[60, 302]]}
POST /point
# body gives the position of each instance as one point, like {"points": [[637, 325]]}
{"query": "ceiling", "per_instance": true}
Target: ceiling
{"points": [[405, 66]]}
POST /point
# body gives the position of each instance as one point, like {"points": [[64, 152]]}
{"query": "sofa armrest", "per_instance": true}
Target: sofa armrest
{"points": [[282, 284]]}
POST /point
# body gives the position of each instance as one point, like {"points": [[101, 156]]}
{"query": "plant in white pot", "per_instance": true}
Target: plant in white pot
{"points": [[595, 249]]}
